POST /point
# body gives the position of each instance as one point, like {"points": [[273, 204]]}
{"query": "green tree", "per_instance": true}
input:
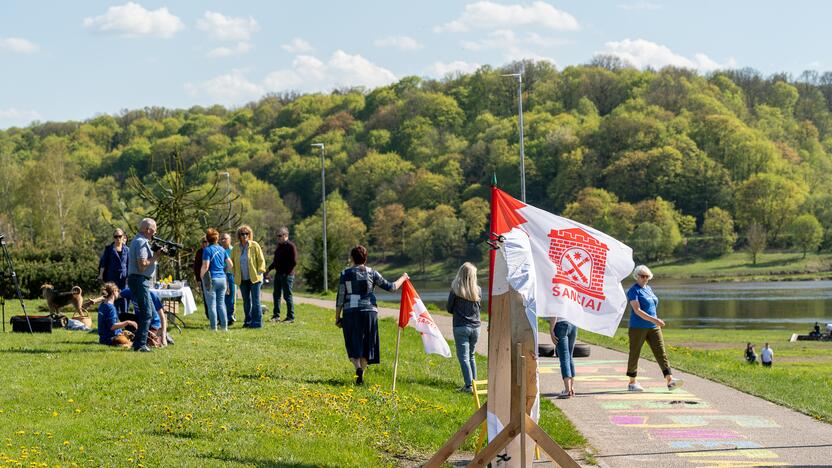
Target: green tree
{"points": [[771, 200], [718, 232], [344, 231], [807, 233], [446, 231], [475, 213], [371, 175], [756, 239], [388, 228]]}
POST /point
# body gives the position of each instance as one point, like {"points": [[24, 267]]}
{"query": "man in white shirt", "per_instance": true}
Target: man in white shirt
{"points": [[766, 356]]}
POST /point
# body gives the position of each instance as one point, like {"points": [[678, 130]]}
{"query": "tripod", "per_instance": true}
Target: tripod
{"points": [[10, 267]]}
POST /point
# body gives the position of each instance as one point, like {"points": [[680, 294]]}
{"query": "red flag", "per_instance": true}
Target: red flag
{"points": [[412, 311], [504, 216]]}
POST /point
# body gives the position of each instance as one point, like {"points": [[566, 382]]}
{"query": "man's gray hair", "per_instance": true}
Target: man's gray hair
{"points": [[145, 223], [283, 230]]}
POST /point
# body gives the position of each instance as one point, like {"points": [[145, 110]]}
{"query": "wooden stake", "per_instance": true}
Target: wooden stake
{"points": [[396, 361], [521, 373]]}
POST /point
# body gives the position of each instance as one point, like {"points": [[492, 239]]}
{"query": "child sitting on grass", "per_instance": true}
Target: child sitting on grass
{"points": [[109, 328]]}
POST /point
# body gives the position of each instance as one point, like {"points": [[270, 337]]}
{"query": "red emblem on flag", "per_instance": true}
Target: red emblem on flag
{"points": [[580, 260]]}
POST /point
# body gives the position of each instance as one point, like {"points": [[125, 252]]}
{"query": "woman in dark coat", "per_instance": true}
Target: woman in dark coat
{"points": [[112, 266], [357, 301]]}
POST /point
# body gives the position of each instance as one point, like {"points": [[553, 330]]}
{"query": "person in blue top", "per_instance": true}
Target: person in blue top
{"points": [[646, 326], [215, 262], [110, 329], [112, 266]]}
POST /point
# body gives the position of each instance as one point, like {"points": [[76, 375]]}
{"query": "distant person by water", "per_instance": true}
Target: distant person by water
{"points": [[646, 326], [767, 356], [750, 355]]}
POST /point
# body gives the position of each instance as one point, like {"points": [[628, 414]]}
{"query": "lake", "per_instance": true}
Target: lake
{"points": [[786, 305]]}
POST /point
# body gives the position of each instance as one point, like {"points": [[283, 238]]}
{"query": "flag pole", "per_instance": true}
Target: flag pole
{"points": [[396, 361]]}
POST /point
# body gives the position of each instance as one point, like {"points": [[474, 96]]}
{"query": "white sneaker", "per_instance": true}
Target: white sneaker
{"points": [[635, 387], [675, 383]]}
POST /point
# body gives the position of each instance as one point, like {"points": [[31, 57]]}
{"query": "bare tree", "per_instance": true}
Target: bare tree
{"points": [[757, 238]]}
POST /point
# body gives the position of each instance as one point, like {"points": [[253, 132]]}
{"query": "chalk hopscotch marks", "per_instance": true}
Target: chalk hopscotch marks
{"points": [[683, 421], [701, 435]]}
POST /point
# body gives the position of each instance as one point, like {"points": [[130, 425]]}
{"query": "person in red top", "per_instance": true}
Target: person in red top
{"points": [[285, 259]]}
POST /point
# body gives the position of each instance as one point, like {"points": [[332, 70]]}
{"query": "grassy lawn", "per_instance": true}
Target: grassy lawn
{"points": [[801, 377], [771, 266], [280, 396]]}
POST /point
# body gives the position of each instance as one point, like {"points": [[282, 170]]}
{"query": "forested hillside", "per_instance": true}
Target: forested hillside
{"points": [[673, 162]]}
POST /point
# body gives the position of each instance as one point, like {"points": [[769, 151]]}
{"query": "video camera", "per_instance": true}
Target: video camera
{"points": [[170, 248]]}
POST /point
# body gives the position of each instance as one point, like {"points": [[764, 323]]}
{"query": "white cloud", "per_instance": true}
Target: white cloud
{"points": [[221, 52], [297, 46], [642, 53], [489, 15], [230, 88], [133, 20], [306, 74], [442, 69], [514, 47], [399, 42], [342, 69], [640, 5], [18, 45], [226, 28], [11, 117]]}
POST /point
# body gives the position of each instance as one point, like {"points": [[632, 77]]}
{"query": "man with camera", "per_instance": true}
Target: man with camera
{"points": [[140, 271]]}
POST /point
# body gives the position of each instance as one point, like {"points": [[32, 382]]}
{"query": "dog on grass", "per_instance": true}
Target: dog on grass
{"points": [[56, 300]]}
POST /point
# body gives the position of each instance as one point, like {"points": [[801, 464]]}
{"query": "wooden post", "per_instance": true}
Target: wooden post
{"points": [[396, 361], [521, 408]]}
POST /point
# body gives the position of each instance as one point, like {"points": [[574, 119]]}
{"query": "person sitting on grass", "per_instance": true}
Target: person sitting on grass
{"points": [[158, 336], [750, 355], [110, 329], [815, 333]]}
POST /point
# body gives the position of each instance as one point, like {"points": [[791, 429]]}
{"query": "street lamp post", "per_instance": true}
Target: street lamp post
{"points": [[323, 207], [520, 125]]}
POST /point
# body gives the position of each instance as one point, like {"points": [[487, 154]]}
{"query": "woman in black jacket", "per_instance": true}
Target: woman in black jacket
{"points": [[464, 303]]}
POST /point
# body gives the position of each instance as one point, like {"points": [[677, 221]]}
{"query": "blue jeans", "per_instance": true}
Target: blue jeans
{"points": [[466, 340], [231, 297], [251, 303], [283, 283], [215, 300], [140, 287], [566, 334]]}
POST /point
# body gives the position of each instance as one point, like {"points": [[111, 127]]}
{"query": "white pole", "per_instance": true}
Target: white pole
{"points": [[520, 123], [323, 205], [396, 361]]}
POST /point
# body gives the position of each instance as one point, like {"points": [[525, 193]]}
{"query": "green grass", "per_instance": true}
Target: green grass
{"points": [[771, 266], [801, 377], [283, 395]]}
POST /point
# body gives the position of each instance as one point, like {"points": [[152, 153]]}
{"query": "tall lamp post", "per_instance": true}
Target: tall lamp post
{"points": [[227, 197], [323, 207], [520, 125]]}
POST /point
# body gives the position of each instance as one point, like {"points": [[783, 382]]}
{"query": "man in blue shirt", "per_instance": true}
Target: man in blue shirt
{"points": [[140, 271]]}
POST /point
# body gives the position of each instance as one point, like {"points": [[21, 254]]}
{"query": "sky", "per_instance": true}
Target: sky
{"points": [[75, 60]]}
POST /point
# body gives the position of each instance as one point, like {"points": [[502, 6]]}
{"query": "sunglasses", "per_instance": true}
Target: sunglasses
{"points": [[245, 234], [116, 236]]}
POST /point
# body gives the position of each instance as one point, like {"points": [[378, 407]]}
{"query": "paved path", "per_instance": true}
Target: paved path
{"points": [[703, 424]]}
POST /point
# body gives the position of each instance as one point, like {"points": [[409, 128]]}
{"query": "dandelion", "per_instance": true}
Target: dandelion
{"points": [[54, 414], [66, 442]]}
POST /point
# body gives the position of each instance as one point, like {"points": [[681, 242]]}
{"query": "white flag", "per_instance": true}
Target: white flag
{"points": [[412, 312]]}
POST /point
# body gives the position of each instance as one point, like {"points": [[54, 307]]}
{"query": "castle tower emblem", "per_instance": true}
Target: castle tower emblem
{"points": [[580, 260]]}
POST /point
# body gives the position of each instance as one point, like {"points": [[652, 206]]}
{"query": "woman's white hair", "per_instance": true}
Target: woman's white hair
{"points": [[642, 270], [465, 283]]}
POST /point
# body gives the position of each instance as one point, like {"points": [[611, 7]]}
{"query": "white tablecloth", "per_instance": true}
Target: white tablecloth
{"points": [[184, 295]]}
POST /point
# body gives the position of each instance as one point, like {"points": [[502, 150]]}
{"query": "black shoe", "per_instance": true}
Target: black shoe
{"points": [[289, 320], [359, 376], [231, 321], [275, 319], [143, 349]]}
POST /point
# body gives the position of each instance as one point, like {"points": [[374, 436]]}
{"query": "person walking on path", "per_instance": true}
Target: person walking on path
{"points": [[564, 334], [249, 266], [231, 292], [464, 304], [285, 259], [357, 301], [646, 326], [767, 356], [750, 355], [140, 271], [215, 263], [112, 266]]}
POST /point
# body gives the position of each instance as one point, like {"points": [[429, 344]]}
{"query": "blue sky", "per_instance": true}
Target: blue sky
{"points": [[74, 60]]}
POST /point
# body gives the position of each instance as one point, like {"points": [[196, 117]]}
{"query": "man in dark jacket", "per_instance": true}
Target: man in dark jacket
{"points": [[285, 259]]}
